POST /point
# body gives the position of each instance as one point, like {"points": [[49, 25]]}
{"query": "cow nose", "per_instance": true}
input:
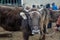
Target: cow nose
{"points": [[36, 30]]}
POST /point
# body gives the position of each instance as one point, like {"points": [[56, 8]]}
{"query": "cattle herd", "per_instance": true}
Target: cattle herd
{"points": [[30, 22]]}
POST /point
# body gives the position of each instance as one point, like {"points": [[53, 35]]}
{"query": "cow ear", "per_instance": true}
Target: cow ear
{"points": [[23, 15]]}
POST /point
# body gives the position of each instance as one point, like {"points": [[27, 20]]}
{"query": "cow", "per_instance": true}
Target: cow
{"points": [[14, 19], [40, 20], [8, 15], [32, 22]]}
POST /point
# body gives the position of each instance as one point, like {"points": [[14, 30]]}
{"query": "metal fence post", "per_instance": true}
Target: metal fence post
{"points": [[22, 2], [16, 2], [7, 1], [10, 1], [13, 2], [4, 1], [1, 1], [19, 2]]}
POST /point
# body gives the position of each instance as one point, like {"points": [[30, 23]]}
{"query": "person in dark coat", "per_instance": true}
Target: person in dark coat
{"points": [[50, 22]]}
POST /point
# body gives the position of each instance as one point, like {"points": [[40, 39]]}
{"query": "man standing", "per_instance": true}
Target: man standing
{"points": [[54, 7], [50, 22], [57, 28]]}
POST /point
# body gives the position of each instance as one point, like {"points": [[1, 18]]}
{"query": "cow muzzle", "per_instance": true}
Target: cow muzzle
{"points": [[35, 30]]}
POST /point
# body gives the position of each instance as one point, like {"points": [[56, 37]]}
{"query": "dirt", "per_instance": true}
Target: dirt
{"points": [[19, 36]]}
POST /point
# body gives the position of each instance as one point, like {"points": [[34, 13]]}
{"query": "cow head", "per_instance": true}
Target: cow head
{"points": [[35, 17]]}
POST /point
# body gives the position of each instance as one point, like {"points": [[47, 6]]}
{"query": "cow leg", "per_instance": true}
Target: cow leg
{"points": [[41, 29], [26, 36], [43, 34], [46, 26], [44, 31], [42, 37]]}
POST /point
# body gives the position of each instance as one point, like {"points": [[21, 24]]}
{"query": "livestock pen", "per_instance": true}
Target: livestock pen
{"points": [[18, 35]]}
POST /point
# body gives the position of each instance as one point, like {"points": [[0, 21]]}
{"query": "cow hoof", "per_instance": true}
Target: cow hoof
{"points": [[31, 35], [40, 39]]}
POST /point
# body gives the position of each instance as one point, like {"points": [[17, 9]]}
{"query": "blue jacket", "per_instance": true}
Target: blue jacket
{"points": [[54, 7]]}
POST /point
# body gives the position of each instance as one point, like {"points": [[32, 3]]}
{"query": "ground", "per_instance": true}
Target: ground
{"points": [[18, 36]]}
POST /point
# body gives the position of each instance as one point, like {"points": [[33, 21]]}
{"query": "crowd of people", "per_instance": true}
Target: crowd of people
{"points": [[54, 7]]}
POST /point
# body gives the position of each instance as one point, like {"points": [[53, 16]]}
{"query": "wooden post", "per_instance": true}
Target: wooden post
{"points": [[5, 34]]}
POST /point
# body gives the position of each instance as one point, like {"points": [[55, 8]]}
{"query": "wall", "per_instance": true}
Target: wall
{"points": [[38, 2]]}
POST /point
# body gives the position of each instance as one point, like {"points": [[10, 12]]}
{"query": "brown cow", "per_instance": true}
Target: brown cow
{"points": [[14, 19], [39, 21]]}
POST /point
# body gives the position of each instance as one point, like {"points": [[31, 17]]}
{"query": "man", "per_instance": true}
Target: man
{"points": [[33, 6], [48, 6], [59, 7], [41, 5], [27, 8], [50, 22], [57, 24], [54, 7], [38, 7]]}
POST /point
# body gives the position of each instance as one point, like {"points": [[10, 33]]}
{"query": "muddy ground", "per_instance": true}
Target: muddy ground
{"points": [[19, 36]]}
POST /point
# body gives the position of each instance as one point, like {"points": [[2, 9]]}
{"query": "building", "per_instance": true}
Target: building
{"points": [[29, 2], [11, 2]]}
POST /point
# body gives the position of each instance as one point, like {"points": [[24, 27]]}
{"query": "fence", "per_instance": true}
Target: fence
{"points": [[10, 2]]}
